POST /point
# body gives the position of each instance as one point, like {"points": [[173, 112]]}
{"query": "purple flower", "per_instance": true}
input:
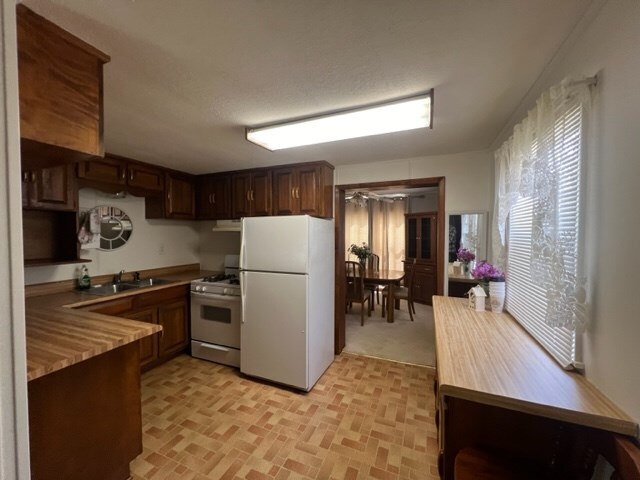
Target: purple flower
{"points": [[485, 271], [465, 255]]}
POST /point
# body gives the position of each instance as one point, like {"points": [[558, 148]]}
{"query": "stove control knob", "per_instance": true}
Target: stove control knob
{"points": [[226, 291], [204, 289], [198, 288]]}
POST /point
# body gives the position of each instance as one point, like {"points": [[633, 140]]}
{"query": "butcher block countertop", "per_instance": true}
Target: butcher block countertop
{"points": [[58, 336], [489, 358]]}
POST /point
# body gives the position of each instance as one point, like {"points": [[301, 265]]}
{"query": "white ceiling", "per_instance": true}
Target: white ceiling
{"points": [[186, 77]]}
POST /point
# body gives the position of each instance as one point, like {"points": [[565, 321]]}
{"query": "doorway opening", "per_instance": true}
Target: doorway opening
{"points": [[431, 268]]}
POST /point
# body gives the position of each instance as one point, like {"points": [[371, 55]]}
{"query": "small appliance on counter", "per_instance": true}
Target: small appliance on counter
{"points": [[287, 284], [216, 315]]}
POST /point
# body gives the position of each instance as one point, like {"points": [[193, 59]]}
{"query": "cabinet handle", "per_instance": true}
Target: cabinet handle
{"points": [[124, 175], [248, 195], [293, 192], [209, 198], [252, 197], [131, 175], [25, 176], [33, 177], [213, 198], [297, 192]]}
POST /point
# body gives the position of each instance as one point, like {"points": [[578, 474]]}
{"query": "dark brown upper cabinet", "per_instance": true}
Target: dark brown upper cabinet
{"points": [[114, 173], [178, 199], [305, 189], [60, 91], [49, 188], [251, 193], [213, 197]]}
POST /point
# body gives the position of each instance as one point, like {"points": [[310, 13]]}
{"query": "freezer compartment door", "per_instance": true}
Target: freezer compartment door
{"points": [[275, 244], [274, 328]]}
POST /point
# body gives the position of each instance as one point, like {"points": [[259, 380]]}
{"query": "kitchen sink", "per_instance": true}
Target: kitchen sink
{"points": [[112, 288], [147, 282]]}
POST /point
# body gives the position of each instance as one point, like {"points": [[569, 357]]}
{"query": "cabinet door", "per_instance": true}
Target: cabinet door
{"points": [[60, 83], [175, 328], [180, 197], [285, 183], [104, 170], [427, 238], [148, 345], [240, 195], [213, 197], [261, 193], [145, 177], [424, 286], [309, 191], [411, 237], [52, 188]]}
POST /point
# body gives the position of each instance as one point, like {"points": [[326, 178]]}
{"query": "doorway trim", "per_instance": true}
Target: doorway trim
{"points": [[340, 193]]}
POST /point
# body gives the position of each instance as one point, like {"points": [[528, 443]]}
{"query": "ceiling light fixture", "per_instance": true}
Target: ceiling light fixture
{"points": [[406, 114]]}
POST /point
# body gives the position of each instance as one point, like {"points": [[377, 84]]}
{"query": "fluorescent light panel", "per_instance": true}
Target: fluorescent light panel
{"points": [[408, 114]]}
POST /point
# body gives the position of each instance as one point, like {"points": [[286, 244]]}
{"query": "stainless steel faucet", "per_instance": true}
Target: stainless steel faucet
{"points": [[117, 278]]}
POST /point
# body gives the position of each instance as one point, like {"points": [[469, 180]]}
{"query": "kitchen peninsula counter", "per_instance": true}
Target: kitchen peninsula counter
{"points": [[83, 371]]}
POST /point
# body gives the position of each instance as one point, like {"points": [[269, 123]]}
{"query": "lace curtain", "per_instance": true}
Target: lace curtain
{"points": [[529, 165], [387, 229]]}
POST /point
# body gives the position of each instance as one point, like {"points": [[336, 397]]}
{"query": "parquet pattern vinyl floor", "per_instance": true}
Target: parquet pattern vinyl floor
{"points": [[365, 418]]}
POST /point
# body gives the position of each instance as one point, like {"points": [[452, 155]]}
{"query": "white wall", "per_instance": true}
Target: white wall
{"points": [[608, 46], [153, 243], [469, 176], [215, 245]]}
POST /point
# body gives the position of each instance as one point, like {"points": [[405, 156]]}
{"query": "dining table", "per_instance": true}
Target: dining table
{"points": [[385, 277]]}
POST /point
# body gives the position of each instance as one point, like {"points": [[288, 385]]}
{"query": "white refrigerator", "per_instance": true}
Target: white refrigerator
{"points": [[287, 288]]}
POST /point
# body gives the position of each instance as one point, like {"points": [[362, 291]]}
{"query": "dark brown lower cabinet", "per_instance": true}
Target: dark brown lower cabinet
{"points": [[168, 307], [424, 282], [85, 420]]}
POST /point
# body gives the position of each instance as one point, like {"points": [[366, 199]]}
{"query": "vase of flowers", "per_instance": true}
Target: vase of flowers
{"points": [[465, 256], [363, 252], [492, 280]]}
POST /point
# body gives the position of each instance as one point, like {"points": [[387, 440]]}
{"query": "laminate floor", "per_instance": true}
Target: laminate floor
{"points": [[401, 341], [365, 418]]}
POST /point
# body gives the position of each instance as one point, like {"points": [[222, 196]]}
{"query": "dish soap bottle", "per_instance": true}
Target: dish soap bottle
{"points": [[84, 280]]}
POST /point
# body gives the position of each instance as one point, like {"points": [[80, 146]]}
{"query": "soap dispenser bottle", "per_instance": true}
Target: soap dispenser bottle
{"points": [[84, 280]]}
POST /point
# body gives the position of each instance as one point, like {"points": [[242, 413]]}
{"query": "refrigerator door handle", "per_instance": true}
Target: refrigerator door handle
{"points": [[243, 288], [242, 261]]}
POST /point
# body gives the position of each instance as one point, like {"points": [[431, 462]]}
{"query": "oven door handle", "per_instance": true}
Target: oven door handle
{"points": [[214, 347], [214, 296]]}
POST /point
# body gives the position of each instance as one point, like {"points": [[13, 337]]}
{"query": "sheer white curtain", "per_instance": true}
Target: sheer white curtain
{"points": [[388, 231], [537, 220], [356, 220]]}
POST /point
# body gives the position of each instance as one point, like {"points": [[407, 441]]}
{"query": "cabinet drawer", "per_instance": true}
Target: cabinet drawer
{"points": [[113, 307], [161, 296]]}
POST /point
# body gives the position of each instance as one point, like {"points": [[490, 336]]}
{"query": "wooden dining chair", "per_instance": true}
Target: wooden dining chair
{"points": [[401, 293], [374, 266], [355, 289]]}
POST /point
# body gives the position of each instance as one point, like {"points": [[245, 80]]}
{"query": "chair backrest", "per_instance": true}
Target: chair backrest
{"points": [[408, 279], [355, 280], [374, 262], [621, 452]]}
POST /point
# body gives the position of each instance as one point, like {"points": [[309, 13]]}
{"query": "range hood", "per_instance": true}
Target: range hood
{"points": [[227, 226]]}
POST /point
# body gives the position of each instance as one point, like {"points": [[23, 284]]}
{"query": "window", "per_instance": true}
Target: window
{"points": [[539, 193]]}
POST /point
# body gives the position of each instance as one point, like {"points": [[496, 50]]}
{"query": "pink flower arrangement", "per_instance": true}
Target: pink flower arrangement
{"points": [[486, 272], [465, 255]]}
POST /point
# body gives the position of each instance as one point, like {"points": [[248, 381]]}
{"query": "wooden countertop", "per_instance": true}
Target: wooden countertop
{"points": [[59, 336], [489, 358]]}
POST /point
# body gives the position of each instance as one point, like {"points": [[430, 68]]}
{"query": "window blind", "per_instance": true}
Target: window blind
{"points": [[526, 298]]}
